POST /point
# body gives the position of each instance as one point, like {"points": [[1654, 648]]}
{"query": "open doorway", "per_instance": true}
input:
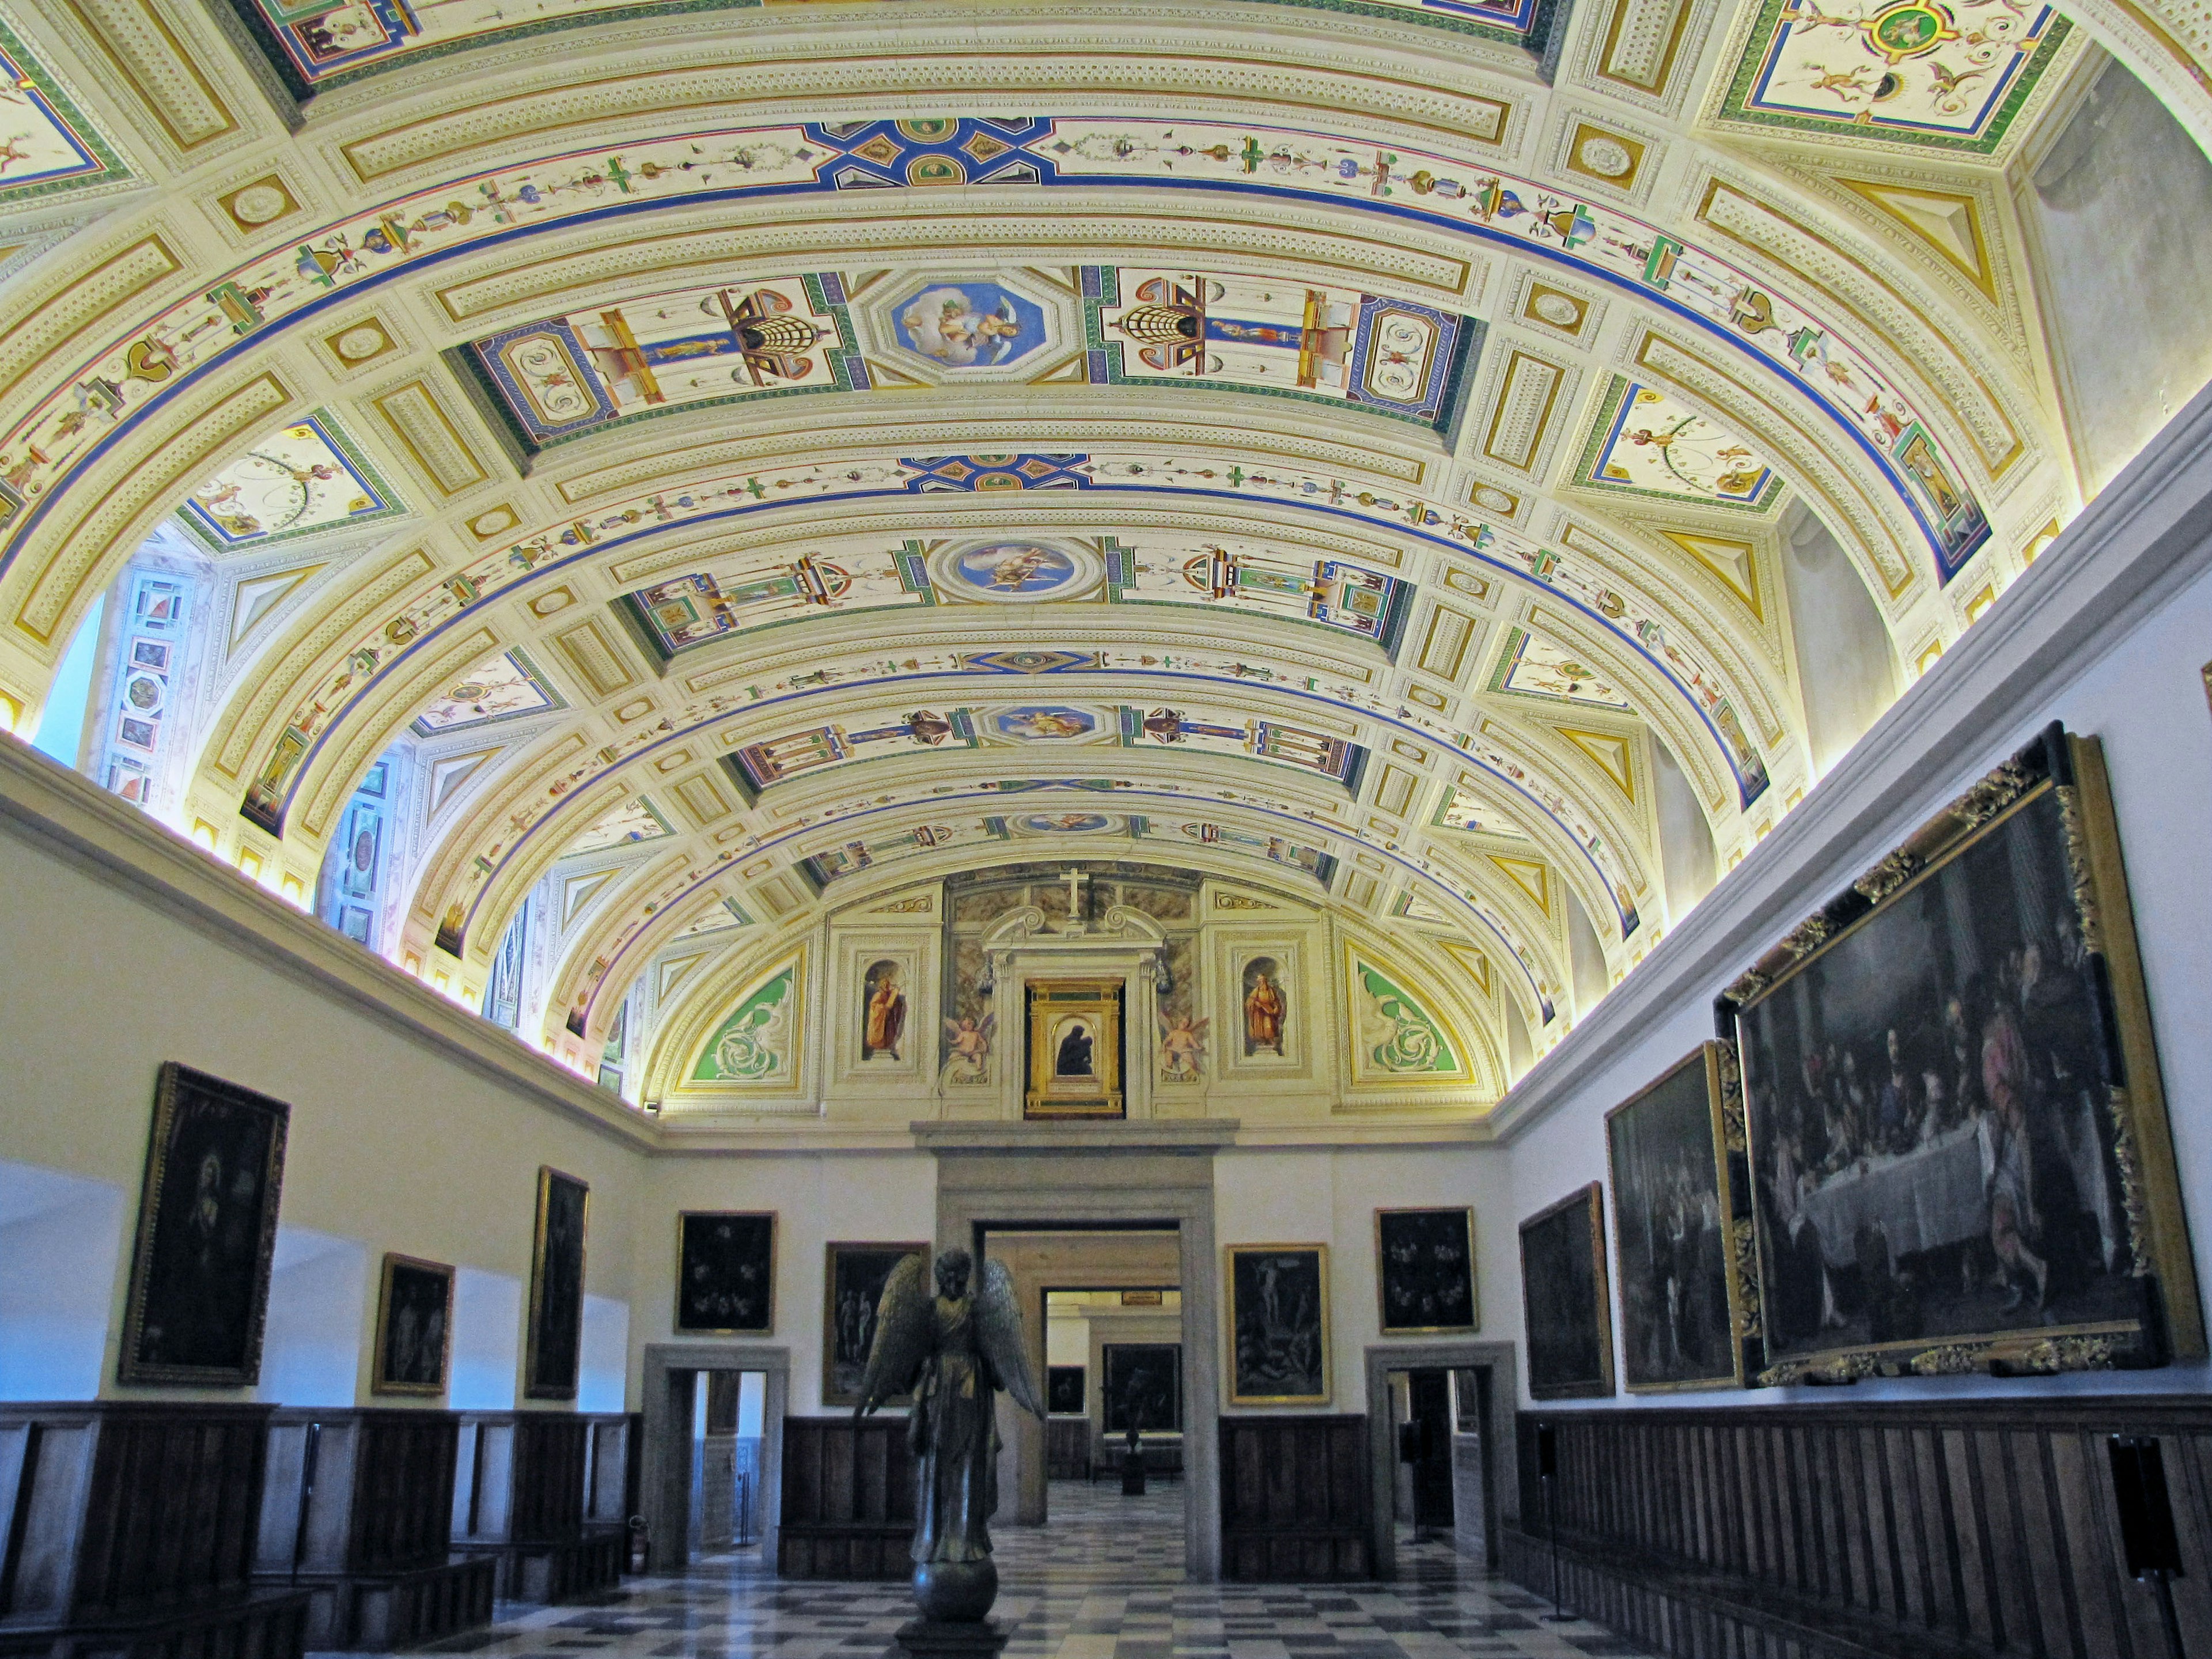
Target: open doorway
{"points": [[1099, 1486], [713, 1467], [726, 1519], [1438, 1502]]}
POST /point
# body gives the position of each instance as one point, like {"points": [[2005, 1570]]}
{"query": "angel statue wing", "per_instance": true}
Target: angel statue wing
{"points": [[904, 1316], [998, 1333]]}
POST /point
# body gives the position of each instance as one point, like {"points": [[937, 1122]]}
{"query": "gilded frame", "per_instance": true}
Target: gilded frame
{"points": [[2169, 1321], [832, 1394], [1716, 1062], [683, 1328], [379, 1382], [1586, 1205], [1237, 1396], [536, 1384], [1048, 1001], [1383, 1276], [180, 1093]]}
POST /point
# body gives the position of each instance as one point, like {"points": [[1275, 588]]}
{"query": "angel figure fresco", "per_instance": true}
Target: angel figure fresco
{"points": [[968, 1043], [1183, 1046], [943, 323], [952, 1351]]}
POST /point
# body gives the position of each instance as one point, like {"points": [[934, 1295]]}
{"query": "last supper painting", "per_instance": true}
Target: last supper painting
{"points": [[1956, 1138]]}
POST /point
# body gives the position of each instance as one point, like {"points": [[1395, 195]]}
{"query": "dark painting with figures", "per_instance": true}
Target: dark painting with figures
{"points": [[1143, 1384], [1278, 1324], [1424, 1270], [725, 1272], [1958, 1140], [1063, 1390], [414, 1327], [1679, 1180], [1565, 1299], [852, 1285], [207, 1229], [553, 1358]]}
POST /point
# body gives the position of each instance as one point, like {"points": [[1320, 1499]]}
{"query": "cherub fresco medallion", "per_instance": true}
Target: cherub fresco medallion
{"points": [[969, 324]]}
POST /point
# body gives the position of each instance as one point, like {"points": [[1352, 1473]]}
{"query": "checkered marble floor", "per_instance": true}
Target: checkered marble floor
{"points": [[1103, 1581]]}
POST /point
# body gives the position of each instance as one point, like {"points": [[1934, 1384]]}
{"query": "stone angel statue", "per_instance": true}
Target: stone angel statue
{"points": [[953, 1351]]}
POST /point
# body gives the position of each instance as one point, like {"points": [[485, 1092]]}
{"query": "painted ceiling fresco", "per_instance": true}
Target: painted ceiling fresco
{"points": [[315, 43], [1365, 505], [47, 147], [680, 613], [296, 481], [590, 370], [1942, 74]]}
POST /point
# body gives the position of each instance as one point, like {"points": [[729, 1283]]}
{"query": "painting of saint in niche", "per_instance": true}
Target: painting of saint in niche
{"points": [[1677, 1188], [1424, 1269], [207, 1229], [1567, 1301], [1144, 1387], [726, 1272], [883, 1010], [1266, 1007], [1958, 1140], [414, 1327], [555, 1354], [852, 1287], [1279, 1323], [1075, 1048], [1063, 1390]]}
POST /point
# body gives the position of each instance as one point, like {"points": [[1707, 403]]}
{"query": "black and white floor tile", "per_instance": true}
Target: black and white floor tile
{"points": [[1103, 1581]]}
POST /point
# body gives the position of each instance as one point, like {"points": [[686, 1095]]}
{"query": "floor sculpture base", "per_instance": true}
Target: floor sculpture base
{"points": [[937, 1638]]}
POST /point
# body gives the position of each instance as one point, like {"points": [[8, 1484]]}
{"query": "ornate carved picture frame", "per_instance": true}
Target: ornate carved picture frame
{"points": [[1957, 1139]]}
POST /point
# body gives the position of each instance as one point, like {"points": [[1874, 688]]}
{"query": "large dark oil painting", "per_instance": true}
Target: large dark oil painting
{"points": [[725, 1272], [1424, 1270], [1278, 1324], [852, 1285], [1676, 1154], [1958, 1140], [553, 1357], [207, 1230], [1143, 1387], [1565, 1298]]}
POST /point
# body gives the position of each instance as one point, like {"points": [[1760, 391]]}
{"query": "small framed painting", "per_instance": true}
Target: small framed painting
{"points": [[1075, 1048], [414, 1326], [1063, 1390], [553, 1357], [851, 1286], [725, 1272], [207, 1232], [1566, 1298], [1424, 1270], [1278, 1324]]}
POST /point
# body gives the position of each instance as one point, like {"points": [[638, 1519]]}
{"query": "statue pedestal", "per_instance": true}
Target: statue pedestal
{"points": [[936, 1638], [1133, 1474]]}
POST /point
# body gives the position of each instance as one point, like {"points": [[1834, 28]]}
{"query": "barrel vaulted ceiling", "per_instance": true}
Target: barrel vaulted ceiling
{"points": [[766, 451]]}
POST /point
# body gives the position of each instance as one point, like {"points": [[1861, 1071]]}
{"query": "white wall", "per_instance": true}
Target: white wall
{"points": [[395, 1142]]}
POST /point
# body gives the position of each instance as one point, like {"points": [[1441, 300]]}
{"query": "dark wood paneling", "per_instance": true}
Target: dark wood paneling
{"points": [[550, 1449], [848, 1498], [1982, 1526], [402, 1491], [1067, 1448], [1294, 1498]]}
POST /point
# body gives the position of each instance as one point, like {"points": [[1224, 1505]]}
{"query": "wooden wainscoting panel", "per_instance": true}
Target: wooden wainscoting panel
{"points": [[1294, 1498]]}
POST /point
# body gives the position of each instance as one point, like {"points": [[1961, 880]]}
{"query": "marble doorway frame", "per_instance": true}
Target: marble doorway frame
{"points": [[1498, 1364], [668, 1393], [1101, 1176]]}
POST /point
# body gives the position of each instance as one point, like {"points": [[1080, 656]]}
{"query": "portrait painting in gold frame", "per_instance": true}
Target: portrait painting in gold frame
{"points": [[1074, 1049]]}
